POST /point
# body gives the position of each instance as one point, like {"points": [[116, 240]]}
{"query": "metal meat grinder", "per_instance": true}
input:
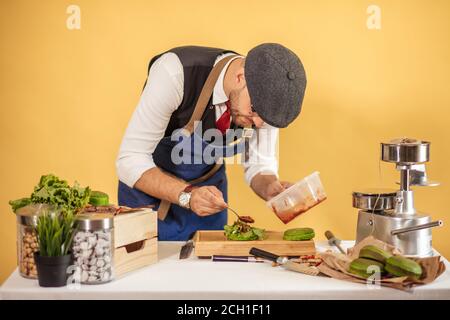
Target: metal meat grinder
{"points": [[390, 215]]}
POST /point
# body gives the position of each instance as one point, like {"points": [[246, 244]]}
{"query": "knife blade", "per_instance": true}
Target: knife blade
{"points": [[285, 262], [186, 249]]}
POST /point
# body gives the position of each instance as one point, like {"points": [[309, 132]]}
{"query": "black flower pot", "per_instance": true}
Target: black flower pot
{"points": [[52, 271]]}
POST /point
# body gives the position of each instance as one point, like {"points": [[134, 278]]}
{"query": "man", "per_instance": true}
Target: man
{"points": [[199, 89]]}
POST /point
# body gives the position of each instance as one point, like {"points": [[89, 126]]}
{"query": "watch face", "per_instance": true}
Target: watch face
{"points": [[184, 199]]}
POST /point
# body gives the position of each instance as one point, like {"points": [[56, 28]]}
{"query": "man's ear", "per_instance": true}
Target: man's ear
{"points": [[240, 77]]}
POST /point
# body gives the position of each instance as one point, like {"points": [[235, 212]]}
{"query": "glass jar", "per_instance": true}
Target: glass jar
{"points": [[93, 248], [27, 241]]}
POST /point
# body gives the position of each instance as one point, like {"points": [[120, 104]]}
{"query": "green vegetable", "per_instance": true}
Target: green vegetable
{"points": [[19, 203], [299, 234], [55, 231], [55, 227], [241, 231], [365, 267], [54, 191], [98, 198], [400, 266], [374, 253]]}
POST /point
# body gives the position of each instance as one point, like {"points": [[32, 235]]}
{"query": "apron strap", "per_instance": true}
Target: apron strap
{"points": [[199, 110], [206, 92]]}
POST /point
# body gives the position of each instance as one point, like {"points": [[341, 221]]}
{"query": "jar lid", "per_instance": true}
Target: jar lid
{"points": [[29, 214], [95, 221]]}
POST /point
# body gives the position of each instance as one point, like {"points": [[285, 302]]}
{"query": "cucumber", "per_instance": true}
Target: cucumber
{"points": [[400, 266], [374, 253], [98, 198], [298, 234], [360, 267]]}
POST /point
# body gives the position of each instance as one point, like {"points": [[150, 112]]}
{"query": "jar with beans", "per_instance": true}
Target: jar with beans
{"points": [[27, 242]]}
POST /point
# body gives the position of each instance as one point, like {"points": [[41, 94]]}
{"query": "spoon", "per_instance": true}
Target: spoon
{"points": [[246, 219]]}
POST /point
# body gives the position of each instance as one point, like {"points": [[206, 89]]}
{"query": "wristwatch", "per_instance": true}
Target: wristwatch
{"points": [[184, 198]]}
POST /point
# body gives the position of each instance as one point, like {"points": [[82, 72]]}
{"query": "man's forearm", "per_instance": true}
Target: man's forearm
{"points": [[160, 185], [260, 184]]}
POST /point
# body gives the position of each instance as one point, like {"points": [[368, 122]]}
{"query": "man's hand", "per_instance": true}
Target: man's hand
{"points": [[268, 186], [275, 188], [204, 201], [207, 200]]}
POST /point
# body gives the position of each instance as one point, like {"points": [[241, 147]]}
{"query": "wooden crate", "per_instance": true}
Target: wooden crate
{"points": [[136, 242], [142, 254], [136, 226], [213, 242]]}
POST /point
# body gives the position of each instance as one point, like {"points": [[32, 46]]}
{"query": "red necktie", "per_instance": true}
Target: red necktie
{"points": [[223, 123]]}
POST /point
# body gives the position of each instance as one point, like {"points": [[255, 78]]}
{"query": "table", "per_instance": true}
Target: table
{"points": [[195, 278]]}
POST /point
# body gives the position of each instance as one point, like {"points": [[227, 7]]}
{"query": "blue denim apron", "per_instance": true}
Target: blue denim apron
{"points": [[198, 157]]}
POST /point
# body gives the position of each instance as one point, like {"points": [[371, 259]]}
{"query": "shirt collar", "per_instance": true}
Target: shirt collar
{"points": [[219, 95]]}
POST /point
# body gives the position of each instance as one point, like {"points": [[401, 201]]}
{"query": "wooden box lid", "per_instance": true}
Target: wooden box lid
{"points": [[135, 226]]}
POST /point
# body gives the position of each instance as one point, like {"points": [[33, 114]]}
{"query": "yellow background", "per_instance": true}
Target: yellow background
{"points": [[66, 96]]}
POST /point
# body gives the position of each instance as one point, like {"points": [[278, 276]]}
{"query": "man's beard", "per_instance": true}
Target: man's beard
{"points": [[235, 117]]}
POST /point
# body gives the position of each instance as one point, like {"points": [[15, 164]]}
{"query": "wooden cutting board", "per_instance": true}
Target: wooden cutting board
{"points": [[213, 242]]}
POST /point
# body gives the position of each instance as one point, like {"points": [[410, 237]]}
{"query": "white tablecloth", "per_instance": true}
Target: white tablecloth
{"points": [[195, 278]]}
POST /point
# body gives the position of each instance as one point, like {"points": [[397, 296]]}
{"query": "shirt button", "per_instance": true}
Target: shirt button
{"points": [[291, 75]]}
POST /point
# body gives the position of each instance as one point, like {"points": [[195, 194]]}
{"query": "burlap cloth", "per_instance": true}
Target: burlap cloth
{"points": [[335, 265]]}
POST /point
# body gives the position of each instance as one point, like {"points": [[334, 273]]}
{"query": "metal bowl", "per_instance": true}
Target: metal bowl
{"points": [[405, 151]]}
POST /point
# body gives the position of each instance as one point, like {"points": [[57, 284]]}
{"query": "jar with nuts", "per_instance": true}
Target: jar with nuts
{"points": [[93, 248], [27, 242]]}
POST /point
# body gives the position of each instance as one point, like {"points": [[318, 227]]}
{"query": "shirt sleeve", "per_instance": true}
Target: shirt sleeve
{"points": [[263, 153], [161, 96]]}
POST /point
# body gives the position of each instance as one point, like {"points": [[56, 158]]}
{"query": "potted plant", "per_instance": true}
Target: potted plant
{"points": [[54, 226], [55, 231]]}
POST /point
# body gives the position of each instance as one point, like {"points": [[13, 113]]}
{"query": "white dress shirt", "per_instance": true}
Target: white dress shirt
{"points": [[161, 96]]}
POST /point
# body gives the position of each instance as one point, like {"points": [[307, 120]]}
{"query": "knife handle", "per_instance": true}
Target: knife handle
{"points": [[329, 235], [263, 254]]}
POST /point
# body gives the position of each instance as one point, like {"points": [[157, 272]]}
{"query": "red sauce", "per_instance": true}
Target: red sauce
{"points": [[288, 215]]}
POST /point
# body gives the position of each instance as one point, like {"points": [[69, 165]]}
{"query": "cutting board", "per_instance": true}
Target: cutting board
{"points": [[214, 242]]}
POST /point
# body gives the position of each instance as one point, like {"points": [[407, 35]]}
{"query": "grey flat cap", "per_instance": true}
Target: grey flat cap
{"points": [[276, 82]]}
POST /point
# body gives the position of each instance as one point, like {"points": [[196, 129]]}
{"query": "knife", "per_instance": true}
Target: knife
{"points": [[236, 259], [333, 241], [285, 262], [186, 249]]}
